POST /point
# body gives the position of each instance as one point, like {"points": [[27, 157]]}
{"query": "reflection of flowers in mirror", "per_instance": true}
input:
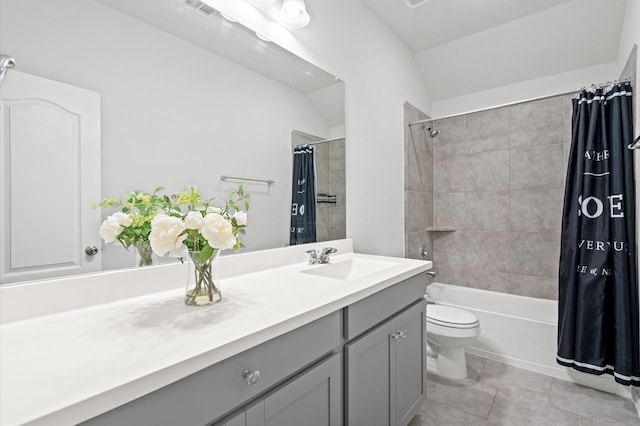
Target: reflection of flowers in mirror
{"points": [[132, 224], [175, 224]]}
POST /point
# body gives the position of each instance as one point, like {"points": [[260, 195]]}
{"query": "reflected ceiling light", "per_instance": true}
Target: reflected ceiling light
{"points": [[294, 14], [261, 37], [227, 17], [262, 2]]}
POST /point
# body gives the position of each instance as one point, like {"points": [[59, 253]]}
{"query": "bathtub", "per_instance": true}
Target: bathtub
{"points": [[519, 331]]}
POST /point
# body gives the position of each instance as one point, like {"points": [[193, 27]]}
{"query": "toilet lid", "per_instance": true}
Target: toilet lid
{"points": [[448, 316]]}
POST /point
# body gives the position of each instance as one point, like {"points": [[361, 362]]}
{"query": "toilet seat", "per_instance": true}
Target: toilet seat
{"points": [[448, 316]]}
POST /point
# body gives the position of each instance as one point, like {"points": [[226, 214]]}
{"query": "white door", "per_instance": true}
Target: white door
{"points": [[49, 178]]}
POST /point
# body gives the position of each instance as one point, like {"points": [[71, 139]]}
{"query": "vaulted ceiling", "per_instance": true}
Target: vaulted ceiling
{"points": [[466, 46]]}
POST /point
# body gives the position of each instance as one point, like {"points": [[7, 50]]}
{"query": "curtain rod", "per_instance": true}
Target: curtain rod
{"points": [[226, 178], [539, 98], [324, 141], [622, 80]]}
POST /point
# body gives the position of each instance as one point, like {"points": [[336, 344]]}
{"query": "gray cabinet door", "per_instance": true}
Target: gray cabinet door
{"points": [[410, 363], [369, 377], [239, 419], [311, 399], [385, 371]]}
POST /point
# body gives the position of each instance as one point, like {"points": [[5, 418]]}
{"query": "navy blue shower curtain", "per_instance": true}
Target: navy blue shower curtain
{"points": [[303, 196], [598, 289]]}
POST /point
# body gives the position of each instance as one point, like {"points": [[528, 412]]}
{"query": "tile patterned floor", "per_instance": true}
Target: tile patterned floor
{"points": [[499, 394]]}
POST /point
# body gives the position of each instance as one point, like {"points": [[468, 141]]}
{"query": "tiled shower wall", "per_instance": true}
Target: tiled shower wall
{"points": [[330, 179], [330, 175], [498, 178]]}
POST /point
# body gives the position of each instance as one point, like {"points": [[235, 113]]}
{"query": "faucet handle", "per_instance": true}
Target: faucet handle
{"points": [[313, 256], [328, 250]]}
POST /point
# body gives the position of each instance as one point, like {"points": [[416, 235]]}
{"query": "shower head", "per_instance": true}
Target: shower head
{"points": [[432, 132], [6, 62]]}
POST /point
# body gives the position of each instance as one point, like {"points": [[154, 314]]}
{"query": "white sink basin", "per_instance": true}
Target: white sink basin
{"points": [[349, 269]]}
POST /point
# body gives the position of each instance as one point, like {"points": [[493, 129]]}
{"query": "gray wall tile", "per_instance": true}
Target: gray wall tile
{"points": [[488, 280], [417, 211], [449, 174], [487, 250], [449, 209], [537, 167], [534, 253], [448, 250], [487, 130], [486, 171], [451, 140], [487, 211], [537, 122], [538, 210]]}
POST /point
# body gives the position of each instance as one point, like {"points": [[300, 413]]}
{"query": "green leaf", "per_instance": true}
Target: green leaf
{"points": [[206, 253]]}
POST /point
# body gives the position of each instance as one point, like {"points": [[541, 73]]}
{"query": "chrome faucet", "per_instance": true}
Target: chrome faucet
{"points": [[315, 259]]}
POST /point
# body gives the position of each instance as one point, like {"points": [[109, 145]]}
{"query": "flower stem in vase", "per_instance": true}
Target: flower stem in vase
{"points": [[202, 282], [144, 252]]}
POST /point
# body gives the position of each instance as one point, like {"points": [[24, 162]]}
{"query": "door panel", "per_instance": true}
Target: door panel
{"points": [[50, 159], [312, 399], [369, 378], [410, 364]]}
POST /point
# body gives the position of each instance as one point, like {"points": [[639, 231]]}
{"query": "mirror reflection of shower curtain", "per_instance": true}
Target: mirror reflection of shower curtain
{"points": [[303, 197], [598, 288]]}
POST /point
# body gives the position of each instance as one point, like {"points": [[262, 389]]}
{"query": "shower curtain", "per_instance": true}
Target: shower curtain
{"points": [[598, 289], [303, 197]]}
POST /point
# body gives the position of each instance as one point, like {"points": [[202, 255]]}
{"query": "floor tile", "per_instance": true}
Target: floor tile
{"points": [[589, 402], [467, 395], [516, 380], [516, 409], [443, 414], [498, 394]]}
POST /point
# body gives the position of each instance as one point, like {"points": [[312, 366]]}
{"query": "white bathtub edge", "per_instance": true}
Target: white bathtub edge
{"points": [[504, 318]]}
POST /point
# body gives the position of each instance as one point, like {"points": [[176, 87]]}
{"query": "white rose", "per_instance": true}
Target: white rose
{"points": [[112, 226], [124, 219], [241, 218], [165, 234], [193, 220], [212, 209], [218, 231], [110, 230]]}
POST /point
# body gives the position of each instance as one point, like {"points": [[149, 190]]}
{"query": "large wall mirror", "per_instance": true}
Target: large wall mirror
{"points": [[183, 96]]}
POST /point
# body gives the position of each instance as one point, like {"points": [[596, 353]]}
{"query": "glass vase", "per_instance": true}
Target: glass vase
{"points": [[203, 284], [143, 247]]}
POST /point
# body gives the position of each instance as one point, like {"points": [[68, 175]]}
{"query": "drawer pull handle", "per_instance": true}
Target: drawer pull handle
{"points": [[399, 335], [252, 377]]}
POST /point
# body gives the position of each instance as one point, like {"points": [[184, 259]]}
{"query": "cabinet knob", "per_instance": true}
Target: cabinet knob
{"points": [[252, 376], [399, 335]]}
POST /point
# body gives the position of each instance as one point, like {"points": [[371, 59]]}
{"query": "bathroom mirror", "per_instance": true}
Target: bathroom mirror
{"points": [[185, 96]]}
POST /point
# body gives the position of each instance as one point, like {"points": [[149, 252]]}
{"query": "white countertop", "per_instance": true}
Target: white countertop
{"points": [[67, 367]]}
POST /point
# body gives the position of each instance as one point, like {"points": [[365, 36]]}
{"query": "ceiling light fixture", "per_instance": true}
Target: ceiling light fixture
{"points": [[262, 2], [294, 14]]}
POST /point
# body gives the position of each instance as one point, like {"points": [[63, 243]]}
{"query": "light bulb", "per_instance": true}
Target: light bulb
{"points": [[294, 14], [262, 2]]}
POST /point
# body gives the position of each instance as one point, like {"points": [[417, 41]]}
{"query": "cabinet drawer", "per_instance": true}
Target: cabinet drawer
{"points": [[209, 394], [365, 314]]}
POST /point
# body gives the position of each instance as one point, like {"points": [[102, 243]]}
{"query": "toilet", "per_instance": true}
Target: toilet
{"points": [[449, 331]]}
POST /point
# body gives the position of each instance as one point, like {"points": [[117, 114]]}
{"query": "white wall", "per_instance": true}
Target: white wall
{"points": [[172, 113], [380, 74]]}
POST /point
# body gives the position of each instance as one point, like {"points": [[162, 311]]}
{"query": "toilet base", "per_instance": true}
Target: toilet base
{"points": [[451, 363]]}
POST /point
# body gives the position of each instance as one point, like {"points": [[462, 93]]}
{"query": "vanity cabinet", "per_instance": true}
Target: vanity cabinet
{"points": [[385, 367], [207, 395], [360, 365]]}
